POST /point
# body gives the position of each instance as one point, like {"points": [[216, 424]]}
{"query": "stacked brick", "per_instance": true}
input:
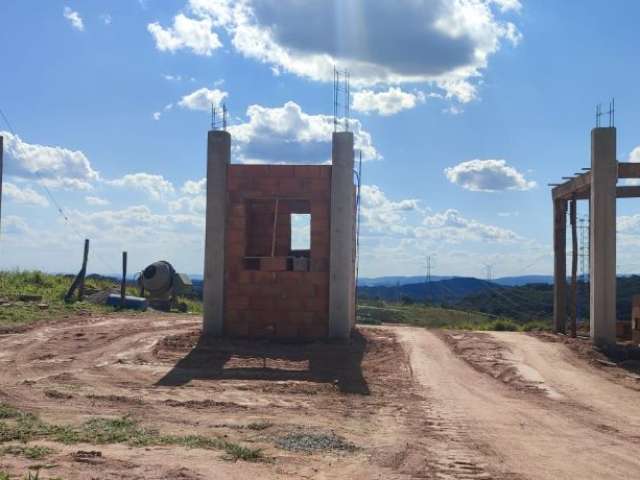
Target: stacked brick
{"points": [[271, 301]]}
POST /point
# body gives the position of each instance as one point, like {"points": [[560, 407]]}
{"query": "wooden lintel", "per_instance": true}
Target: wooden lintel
{"points": [[630, 191], [575, 186], [628, 170]]}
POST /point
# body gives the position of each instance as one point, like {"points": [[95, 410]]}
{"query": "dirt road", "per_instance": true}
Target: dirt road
{"points": [[397, 403], [579, 424]]}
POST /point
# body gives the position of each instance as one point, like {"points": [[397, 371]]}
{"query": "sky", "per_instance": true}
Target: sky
{"points": [[464, 111]]}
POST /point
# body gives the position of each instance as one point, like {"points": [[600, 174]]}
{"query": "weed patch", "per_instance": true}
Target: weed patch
{"points": [[24, 427], [237, 452], [259, 426], [7, 411], [35, 452]]}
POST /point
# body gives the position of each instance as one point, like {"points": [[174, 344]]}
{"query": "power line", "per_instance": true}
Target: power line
{"points": [[58, 207]]}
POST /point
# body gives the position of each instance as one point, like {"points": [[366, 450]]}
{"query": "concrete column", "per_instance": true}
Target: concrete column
{"points": [[218, 158], [559, 265], [342, 274], [604, 176]]}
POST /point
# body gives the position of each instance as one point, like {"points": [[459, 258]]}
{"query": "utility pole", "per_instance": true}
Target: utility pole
{"points": [[428, 280]]}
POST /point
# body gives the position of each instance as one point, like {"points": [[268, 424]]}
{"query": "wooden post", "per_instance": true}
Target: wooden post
{"points": [[123, 284], [574, 267], [560, 265], [83, 270]]}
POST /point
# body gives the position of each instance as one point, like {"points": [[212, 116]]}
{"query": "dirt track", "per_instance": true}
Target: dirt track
{"points": [[578, 424], [411, 405]]}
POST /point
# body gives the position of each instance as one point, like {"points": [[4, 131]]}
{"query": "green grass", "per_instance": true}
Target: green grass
{"points": [[52, 289], [193, 306], [35, 452], [27, 476], [24, 427], [7, 411], [377, 312]]}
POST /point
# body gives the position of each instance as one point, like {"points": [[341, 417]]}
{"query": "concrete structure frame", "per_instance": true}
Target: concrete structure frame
{"points": [[256, 283], [598, 185]]}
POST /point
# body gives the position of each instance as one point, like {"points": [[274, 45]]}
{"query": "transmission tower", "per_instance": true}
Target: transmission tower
{"points": [[583, 255], [489, 270], [427, 279]]}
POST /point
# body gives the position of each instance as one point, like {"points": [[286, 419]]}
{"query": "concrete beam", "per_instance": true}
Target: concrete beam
{"points": [[560, 265], [342, 273], [604, 171], [218, 159]]}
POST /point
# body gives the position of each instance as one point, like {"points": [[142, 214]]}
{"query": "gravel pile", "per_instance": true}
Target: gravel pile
{"points": [[314, 442]]}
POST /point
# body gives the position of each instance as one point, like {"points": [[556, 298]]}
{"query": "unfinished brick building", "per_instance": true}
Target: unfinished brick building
{"points": [[257, 283]]}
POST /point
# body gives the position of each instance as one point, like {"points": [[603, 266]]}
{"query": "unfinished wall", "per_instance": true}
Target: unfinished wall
{"points": [[271, 290]]}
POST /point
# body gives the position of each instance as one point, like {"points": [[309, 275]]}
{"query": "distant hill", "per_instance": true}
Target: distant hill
{"points": [[523, 280], [393, 281], [521, 302], [443, 291]]}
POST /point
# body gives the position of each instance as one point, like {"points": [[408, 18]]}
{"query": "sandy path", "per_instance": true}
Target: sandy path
{"points": [[596, 398], [585, 435]]}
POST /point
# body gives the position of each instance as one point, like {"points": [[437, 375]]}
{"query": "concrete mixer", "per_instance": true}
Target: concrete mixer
{"points": [[162, 286]]}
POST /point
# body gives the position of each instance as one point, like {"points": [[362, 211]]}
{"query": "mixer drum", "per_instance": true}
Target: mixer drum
{"points": [[157, 279]]}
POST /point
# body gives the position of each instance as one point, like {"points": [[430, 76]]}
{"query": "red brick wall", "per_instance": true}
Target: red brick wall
{"points": [[283, 304]]}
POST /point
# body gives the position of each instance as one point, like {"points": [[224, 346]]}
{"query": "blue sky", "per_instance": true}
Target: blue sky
{"points": [[464, 110]]}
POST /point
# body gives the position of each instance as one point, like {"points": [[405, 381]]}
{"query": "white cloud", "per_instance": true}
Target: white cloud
{"points": [[487, 176], [288, 135], [106, 19], [195, 187], [54, 166], [74, 18], [186, 33], [406, 219], [96, 201], [157, 115], [380, 214], [203, 99], [180, 78], [195, 205], [138, 223], [15, 226], [24, 195], [446, 43], [156, 186], [507, 5], [385, 103], [452, 227]]}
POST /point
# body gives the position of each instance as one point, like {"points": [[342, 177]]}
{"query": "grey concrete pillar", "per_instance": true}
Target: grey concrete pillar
{"points": [[559, 265], [218, 158], [342, 273], [604, 176]]}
